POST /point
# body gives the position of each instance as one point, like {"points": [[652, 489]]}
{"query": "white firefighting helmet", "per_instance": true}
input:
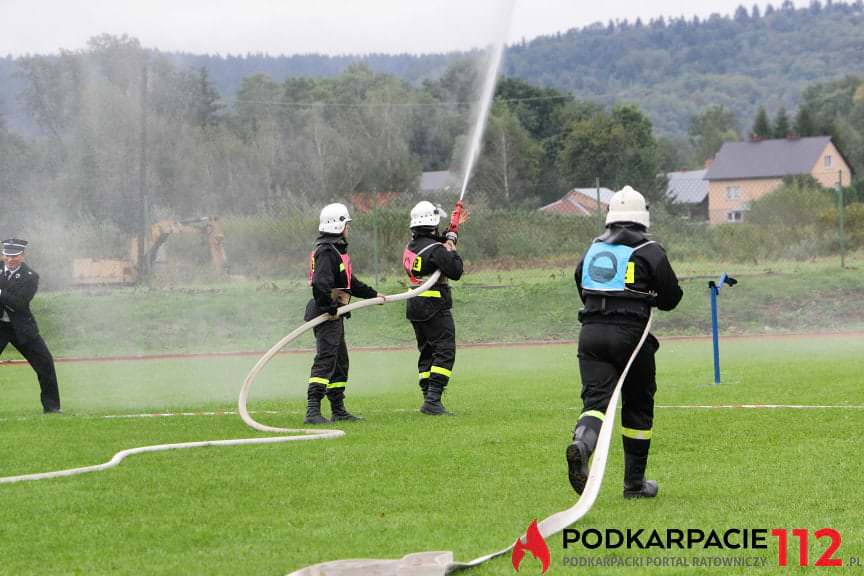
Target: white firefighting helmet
{"points": [[426, 214], [628, 205], [333, 219]]}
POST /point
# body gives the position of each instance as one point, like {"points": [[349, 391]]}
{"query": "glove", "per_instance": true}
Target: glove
{"points": [[332, 311], [340, 296], [452, 236], [383, 299]]}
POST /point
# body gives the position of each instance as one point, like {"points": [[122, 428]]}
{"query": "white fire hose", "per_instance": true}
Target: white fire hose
{"points": [[427, 564], [250, 378], [441, 563], [293, 435], [561, 520]]}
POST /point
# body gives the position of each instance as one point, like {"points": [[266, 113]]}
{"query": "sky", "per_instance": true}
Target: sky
{"points": [[319, 26]]}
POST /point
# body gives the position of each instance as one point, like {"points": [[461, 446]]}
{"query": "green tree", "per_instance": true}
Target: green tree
{"points": [[206, 103], [709, 130], [618, 148], [536, 108], [804, 123], [510, 160], [761, 125], [782, 127]]}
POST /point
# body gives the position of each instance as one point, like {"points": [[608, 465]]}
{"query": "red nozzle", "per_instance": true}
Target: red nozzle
{"points": [[459, 216]]}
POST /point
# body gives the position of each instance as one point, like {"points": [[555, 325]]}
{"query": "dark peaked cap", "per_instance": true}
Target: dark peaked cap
{"points": [[14, 247]]}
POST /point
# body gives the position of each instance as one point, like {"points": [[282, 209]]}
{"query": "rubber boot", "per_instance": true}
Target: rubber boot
{"points": [[635, 485], [313, 404], [336, 396], [424, 388], [432, 405], [578, 453]]}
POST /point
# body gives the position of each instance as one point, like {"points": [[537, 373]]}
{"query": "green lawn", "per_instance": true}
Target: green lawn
{"points": [[490, 306], [401, 482]]}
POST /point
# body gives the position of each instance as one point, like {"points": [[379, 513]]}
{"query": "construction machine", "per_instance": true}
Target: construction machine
{"points": [[131, 270]]}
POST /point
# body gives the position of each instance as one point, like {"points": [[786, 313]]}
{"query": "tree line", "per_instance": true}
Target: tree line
{"points": [[672, 67], [833, 109], [125, 134]]}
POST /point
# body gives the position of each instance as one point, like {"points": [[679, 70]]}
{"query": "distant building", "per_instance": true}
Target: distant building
{"points": [[688, 190], [580, 202], [441, 181], [744, 171]]}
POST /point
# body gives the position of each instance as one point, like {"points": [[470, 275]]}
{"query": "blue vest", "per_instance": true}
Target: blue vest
{"points": [[607, 267]]}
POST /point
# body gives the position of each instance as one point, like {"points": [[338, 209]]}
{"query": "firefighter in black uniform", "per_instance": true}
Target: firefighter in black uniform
{"points": [[429, 312], [18, 285], [333, 283], [622, 275]]}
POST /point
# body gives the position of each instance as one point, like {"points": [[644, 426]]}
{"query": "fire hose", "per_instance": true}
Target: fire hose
{"points": [[438, 562], [560, 520], [459, 216], [316, 434], [288, 434], [441, 563]]}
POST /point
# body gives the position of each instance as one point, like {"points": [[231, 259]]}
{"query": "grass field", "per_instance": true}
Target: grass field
{"points": [[401, 482], [540, 304]]}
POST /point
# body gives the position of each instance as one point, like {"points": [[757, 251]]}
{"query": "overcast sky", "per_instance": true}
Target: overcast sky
{"points": [[323, 26]]}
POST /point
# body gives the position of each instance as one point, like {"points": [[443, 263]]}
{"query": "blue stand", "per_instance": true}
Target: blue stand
{"points": [[715, 331]]}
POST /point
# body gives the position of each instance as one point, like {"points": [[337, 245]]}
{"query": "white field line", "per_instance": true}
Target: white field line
{"points": [[314, 434], [761, 406], [408, 410]]}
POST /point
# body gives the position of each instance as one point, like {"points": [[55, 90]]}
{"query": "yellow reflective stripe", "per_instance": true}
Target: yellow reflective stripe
{"points": [[630, 274], [317, 380], [595, 413], [425, 375], [636, 434], [430, 294], [342, 267], [439, 370], [337, 384]]}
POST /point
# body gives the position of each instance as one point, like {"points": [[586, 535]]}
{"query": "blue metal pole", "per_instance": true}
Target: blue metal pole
{"points": [[715, 290]]}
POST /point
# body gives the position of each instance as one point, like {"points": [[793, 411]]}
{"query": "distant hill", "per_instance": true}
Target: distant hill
{"points": [[674, 68], [670, 68]]}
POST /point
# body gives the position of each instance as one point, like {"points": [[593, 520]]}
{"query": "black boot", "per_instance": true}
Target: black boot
{"points": [[336, 396], [578, 453], [313, 404], [424, 388], [635, 485], [432, 405]]}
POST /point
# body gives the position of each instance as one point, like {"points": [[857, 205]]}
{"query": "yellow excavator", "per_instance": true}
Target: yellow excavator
{"points": [[97, 271]]}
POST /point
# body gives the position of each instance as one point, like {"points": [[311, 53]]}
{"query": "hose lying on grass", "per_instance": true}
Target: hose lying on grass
{"points": [[265, 359], [441, 563], [561, 520], [288, 434], [422, 563]]}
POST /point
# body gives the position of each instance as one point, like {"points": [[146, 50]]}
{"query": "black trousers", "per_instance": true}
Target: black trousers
{"points": [[330, 367], [37, 354], [604, 350], [436, 341]]}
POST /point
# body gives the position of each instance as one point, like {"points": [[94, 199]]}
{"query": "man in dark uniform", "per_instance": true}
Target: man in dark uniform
{"points": [[18, 285], [620, 278], [429, 312], [333, 283]]}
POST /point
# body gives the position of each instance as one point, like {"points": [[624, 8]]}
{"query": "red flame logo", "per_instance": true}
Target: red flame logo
{"points": [[535, 544]]}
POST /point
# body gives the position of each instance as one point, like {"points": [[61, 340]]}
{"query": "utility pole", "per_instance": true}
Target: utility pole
{"points": [[375, 260], [143, 259], [841, 209], [600, 222]]}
